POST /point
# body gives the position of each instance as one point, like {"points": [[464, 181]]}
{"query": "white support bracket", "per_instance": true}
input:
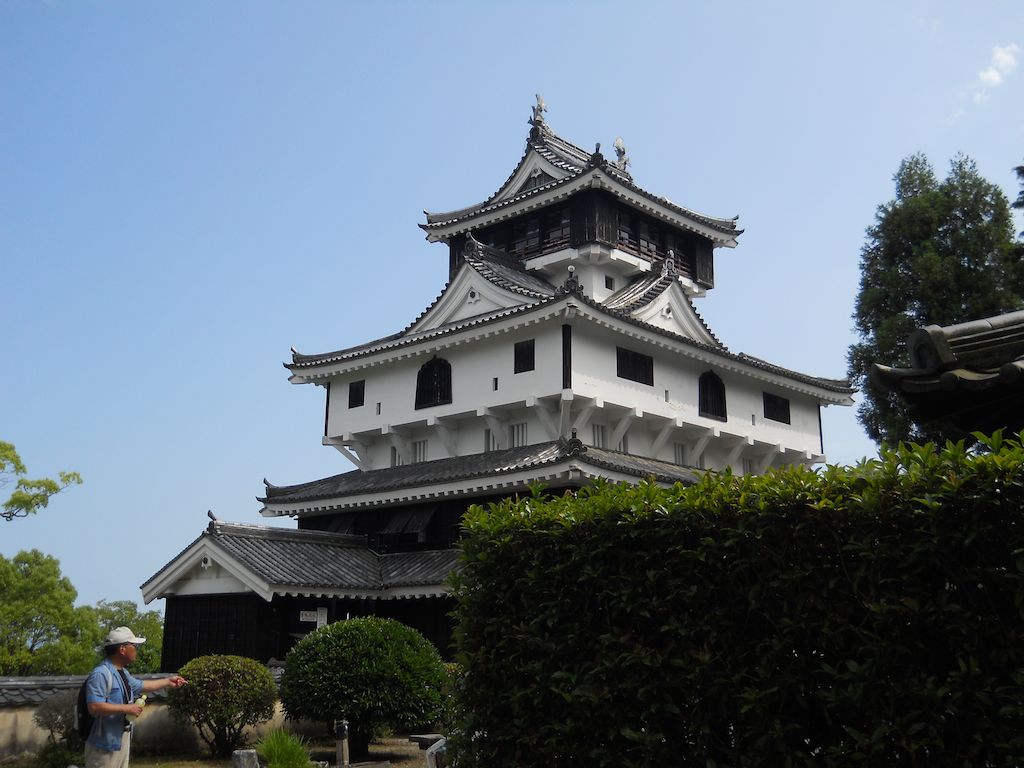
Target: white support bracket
{"points": [[584, 416], [400, 442], [696, 449], [769, 457], [564, 412], [623, 425], [737, 450], [449, 436], [663, 435], [546, 415], [339, 445], [498, 427]]}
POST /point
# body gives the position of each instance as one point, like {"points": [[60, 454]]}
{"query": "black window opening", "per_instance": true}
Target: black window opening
{"points": [[356, 393], [434, 383], [523, 356], [649, 238], [776, 408], [639, 234], [556, 227], [634, 366], [526, 236], [711, 396], [532, 235]]}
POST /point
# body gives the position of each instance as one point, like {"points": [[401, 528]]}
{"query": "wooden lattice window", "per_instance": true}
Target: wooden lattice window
{"points": [[711, 396], [434, 383], [776, 408], [556, 227], [523, 356], [634, 366], [356, 393]]}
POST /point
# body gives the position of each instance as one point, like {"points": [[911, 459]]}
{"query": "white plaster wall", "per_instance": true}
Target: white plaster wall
{"points": [[474, 366], [594, 379], [594, 376]]}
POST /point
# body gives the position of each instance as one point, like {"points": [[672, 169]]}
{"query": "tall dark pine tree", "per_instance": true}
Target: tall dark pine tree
{"points": [[1019, 202], [939, 253]]}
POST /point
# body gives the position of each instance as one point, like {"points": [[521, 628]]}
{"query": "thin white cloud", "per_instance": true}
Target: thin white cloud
{"points": [[1004, 61]]}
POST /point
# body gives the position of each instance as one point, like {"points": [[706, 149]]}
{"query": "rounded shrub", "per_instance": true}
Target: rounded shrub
{"points": [[224, 695], [370, 671]]}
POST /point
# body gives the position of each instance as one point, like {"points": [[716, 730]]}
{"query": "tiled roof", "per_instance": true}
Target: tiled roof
{"points": [[489, 464], [495, 266], [643, 289], [293, 560], [420, 473], [34, 689], [969, 375], [300, 361], [574, 160]]}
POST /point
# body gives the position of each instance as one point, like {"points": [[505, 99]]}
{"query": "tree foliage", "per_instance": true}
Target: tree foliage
{"points": [[224, 695], [37, 614], [1019, 202], [29, 496], [147, 624], [42, 632], [941, 252], [371, 671]]}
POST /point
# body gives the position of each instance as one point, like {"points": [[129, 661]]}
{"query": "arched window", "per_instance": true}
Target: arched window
{"points": [[434, 383], [711, 396]]}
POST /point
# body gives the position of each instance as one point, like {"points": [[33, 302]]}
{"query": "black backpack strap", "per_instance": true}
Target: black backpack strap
{"points": [[128, 696]]}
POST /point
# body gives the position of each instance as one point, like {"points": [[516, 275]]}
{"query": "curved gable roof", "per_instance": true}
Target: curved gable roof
{"points": [[568, 163]]}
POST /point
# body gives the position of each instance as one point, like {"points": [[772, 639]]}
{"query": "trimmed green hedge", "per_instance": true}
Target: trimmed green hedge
{"points": [[868, 615]]}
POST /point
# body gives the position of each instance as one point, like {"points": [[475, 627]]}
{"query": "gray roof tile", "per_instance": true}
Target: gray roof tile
{"points": [[486, 464], [310, 561]]}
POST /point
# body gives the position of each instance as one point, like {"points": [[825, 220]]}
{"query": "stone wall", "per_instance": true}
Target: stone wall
{"points": [[156, 732]]}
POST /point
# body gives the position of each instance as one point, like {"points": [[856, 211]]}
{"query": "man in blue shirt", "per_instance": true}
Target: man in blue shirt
{"points": [[110, 694]]}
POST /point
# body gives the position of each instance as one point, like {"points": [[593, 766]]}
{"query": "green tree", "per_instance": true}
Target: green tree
{"points": [[1019, 202], [373, 672], [224, 695], [29, 496], [147, 624], [39, 624], [939, 253]]}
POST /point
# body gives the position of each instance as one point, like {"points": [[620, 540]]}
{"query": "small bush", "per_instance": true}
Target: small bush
{"points": [[56, 716], [280, 749], [224, 695], [373, 672], [57, 755]]}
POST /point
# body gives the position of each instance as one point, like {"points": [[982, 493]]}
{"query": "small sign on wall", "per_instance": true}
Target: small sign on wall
{"points": [[319, 616]]}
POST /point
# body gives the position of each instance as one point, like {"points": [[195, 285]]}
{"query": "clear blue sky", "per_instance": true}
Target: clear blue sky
{"points": [[187, 189]]}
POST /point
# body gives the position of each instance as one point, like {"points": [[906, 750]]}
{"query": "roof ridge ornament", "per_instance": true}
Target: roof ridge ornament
{"points": [[571, 284], [537, 115], [597, 158], [668, 264], [622, 159]]}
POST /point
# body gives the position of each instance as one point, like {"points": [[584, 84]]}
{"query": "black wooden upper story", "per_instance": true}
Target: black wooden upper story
{"points": [[597, 217]]}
